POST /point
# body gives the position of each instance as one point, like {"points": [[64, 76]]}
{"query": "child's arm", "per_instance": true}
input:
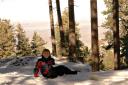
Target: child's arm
{"points": [[51, 62], [36, 71], [37, 68]]}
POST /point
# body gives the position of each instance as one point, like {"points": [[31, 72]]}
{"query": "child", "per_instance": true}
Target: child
{"points": [[45, 64]]}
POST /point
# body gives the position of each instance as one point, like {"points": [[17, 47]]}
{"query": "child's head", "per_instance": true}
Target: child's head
{"points": [[46, 53]]}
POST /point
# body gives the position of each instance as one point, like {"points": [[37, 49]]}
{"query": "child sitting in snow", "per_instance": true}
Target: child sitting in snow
{"points": [[45, 64]]}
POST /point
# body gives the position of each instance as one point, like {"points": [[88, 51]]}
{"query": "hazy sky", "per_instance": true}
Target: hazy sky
{"points": [[37, 10]]}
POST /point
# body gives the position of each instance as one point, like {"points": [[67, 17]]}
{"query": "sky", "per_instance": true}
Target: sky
{"points": [[37, 10]]}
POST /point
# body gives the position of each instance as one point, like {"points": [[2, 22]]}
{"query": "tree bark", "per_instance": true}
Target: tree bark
{"points": [[72, 34], [116, 34], [62, 37], [52, 28], [94, 36]]}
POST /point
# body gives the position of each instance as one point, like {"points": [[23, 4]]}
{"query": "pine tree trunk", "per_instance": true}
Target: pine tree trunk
{"points": [[72, 34], [116, 34], [62, 37], [52, 28], [94, 36]]}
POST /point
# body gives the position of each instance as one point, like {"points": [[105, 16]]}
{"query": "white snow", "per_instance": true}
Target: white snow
{"points": [[22, 74]]}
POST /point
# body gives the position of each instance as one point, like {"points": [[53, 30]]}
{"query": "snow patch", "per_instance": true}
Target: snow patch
{"points": [[23, 75]]}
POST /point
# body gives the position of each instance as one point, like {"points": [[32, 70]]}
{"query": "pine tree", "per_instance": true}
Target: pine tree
{"points": [[23, 45], [123, 27], [116, 37], [61, 29], [82, 51], [37, 44], [7, 40], [94, 36], [72, 35], [52, 28], [65, 22]]}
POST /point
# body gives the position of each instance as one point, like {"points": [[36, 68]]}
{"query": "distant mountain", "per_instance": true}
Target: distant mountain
{"points": [[85, 31], [43, 28]]}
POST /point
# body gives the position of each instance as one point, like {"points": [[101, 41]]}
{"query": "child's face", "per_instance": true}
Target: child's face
{"points": [[46, 54]]}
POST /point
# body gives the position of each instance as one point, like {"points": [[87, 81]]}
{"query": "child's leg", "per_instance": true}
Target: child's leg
{"points": [[64, 70], [59, 70], [51, 74], [68, 71]]}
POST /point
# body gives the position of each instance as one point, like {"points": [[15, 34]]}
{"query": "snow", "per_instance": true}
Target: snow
{"points": [[13, 73]]}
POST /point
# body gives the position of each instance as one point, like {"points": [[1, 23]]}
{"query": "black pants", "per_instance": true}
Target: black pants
{"points": [[59, 71]]}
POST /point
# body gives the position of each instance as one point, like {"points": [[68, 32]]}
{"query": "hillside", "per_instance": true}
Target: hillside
{"points": [[21, 73]]}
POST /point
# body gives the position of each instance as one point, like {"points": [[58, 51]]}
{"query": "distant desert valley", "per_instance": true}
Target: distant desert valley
{"points": [[43, 29]]}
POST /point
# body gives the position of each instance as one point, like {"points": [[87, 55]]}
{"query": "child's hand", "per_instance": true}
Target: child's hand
{"points": [[36, 75], [35, 71]]}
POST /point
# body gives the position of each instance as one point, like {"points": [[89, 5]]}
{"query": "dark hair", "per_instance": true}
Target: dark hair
{"points": [[46, 50]]}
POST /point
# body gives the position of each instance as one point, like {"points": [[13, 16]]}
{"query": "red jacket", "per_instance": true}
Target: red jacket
{"points": [[43, 65]]}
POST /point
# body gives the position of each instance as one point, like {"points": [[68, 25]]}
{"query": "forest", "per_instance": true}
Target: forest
{"points": [[109, 53]]}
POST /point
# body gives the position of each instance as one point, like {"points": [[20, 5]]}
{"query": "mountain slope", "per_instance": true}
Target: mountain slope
{"points": [[22, 74]]}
